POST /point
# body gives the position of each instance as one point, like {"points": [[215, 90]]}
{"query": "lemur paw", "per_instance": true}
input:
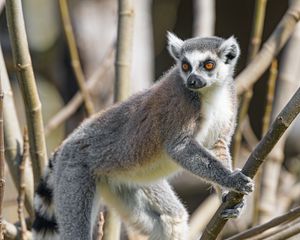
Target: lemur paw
{"points": [[241, 183], [232, 212]]}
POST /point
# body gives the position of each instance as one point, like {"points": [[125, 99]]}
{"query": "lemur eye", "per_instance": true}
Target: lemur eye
{"points": [[209, 65], [185, 67]]}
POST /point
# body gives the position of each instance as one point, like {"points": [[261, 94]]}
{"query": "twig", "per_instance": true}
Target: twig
{"points": [[22, 186], [13, 139], [89, 107], [278, 127], [12, 232], [2, 180], [77, 99], [258, 26], [290, 215], [286, 232], [266, 123], [22, 61], [124, 50], [100, 225], [271, 48]]}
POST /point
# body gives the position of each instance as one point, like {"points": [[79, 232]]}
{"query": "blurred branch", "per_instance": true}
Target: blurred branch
{"points": [[100, 226], [291, 215], [22, 186], [2, 160], [270, 48], [204, 18], [13, 139], [201, 216], [278, 127], [258, 26], [12, 232], [22, 61], [124, 50], [77, 99], [88, 104], [2, 3], [286, 232], [258, 197]]}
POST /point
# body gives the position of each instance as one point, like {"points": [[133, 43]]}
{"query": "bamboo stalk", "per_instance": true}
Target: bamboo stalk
{"points": [[270, 49], [124, 50], [22, 186], [75, 62], [2, 180], [13, 139], [278, 127], [25, 75], [290, 215]]}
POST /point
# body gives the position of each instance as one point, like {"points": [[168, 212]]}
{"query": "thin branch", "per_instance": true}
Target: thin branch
{"points": [[75, 57], [12, 232], [77, 99], [100, 225], [270, 49], [2, 158], [13, 139], [286, 233], [258, 26], [22, 61], [22, 186], [290, 215], [266, 124], [124, 50], [278, 127]]}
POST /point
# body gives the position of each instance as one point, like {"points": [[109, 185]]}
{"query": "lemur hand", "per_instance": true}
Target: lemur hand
{"points": [[240, 182]]}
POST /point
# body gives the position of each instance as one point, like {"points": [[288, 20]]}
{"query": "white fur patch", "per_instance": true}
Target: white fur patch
{"points": [[216, 113], [42, 208], [195, 57], [47, 236]]}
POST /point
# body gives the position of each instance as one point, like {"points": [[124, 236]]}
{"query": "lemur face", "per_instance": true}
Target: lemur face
{"points": [[204, 62]]}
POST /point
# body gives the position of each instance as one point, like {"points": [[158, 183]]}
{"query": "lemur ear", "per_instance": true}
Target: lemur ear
{"points": [[174, 45], [230, 50]]}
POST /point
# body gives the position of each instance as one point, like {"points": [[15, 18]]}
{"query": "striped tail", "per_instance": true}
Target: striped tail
{"points": [[45, 226]]}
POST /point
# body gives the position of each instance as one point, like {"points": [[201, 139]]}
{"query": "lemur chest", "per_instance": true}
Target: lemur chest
{"points": [[216, 112]]}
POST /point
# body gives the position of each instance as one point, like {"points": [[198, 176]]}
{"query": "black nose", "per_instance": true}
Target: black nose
{"points": [[195, 82]]}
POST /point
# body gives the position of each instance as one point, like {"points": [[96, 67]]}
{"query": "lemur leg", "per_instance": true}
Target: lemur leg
{"points": [[221, 150], [154, 210], [74, 196]]}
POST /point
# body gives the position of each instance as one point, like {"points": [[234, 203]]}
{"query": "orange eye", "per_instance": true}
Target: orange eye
{"points": [[185, 67], [209, 65]]}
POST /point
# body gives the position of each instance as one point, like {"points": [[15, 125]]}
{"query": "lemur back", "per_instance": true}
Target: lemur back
{"points": [[184, 121]]}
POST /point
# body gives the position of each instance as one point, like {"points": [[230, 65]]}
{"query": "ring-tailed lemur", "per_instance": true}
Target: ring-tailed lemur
{"points": [[124, 154]]}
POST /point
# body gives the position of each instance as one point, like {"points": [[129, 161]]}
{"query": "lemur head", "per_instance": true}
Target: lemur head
{"points": [[204, 62]]}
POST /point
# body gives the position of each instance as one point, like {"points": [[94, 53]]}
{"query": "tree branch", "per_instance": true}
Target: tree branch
{"points": [[75, 57], [25, 75], [290, 215], [278, 127], [270, 49]]}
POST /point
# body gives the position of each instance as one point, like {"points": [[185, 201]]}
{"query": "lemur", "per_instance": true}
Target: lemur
{"points": [[124, 155]]}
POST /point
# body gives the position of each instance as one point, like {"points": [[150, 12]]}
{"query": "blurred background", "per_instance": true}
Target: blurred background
{"points": [[95, 27]]}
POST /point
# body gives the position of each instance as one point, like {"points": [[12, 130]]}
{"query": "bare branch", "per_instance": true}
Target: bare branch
{"points": [[75, 57], [270, 49], [22, 61], [2, 160], [22, 186], [100, 225], [77, 99], [291, 215], [13, 139], [279, 126]]}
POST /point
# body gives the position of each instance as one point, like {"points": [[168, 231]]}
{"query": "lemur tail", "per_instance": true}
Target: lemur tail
{"points": [[45, 225]]}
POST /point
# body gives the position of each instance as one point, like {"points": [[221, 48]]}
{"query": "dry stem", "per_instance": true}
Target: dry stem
{"points": [[22, 186], [279, 126], [75, 57], [2, 180], [290, 215], [22, 61]]}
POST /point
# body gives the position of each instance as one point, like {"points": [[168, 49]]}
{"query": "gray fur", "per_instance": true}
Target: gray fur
{"points": [[124, 154]]}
